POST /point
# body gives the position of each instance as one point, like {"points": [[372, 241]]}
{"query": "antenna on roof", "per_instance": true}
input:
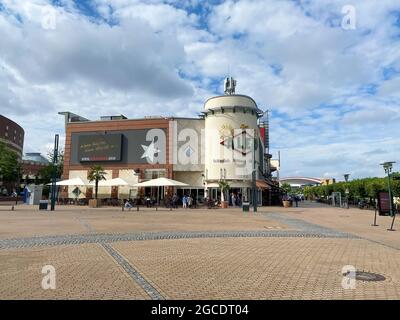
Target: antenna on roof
{"points": [[229, 86]]}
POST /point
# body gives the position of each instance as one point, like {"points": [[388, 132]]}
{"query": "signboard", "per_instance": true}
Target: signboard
{"points": [[99, 147], [135, 146], [383, 203]]}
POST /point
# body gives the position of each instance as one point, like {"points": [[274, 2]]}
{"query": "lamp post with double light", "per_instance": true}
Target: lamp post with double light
{"points": [[387, 166]]}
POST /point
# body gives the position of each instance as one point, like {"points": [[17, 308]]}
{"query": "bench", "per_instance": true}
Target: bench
{"points": [[7, 203], [10, 201]]}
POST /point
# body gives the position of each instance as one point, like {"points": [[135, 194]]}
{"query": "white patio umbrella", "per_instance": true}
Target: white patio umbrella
{"points": [[117, 182], [70, 182], [160, 182]]}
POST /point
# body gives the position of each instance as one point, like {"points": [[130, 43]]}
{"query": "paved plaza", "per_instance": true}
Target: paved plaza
{"points": [[276, 253]]}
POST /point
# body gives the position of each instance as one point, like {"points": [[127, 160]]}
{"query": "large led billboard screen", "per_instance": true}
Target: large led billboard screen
{"points": [[99, 147]]}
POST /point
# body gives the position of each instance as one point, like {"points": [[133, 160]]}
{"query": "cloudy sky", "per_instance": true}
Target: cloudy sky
{"points": [[329, 74]]}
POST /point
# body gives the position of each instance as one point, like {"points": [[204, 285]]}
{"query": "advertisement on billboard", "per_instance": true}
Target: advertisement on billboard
{"points": [[383, 203], [99, 147]]}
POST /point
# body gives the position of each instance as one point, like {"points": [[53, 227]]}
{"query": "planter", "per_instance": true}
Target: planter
{"points": [[94, 203], [224, 204], [287, 203]]}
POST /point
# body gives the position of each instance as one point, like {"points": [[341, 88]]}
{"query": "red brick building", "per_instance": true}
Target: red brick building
{"points": [[130, 165], [12, 135], [31, 164]]}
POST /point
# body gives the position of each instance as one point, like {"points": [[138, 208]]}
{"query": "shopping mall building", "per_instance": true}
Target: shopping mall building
{"points": [[228, 141]]}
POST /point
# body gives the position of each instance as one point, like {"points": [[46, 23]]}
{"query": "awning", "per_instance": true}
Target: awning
{"points": [[262, 184]]}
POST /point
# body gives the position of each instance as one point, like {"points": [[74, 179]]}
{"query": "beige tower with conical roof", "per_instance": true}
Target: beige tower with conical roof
{"points": [[231, 129]]}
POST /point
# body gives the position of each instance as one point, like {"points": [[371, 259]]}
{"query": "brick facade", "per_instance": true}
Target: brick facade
{"points": [[12, 134], [110, 126]]}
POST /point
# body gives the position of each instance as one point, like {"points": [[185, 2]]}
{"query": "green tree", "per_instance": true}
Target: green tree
{"points": [[358, 188], [286, 188], [96, 174], [9, 164], [46, 173], [308, 192], [373, 186], [396, 184], [224, 186]]}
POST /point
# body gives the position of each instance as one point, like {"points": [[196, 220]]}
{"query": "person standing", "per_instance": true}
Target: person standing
{"points": [[184, 201], [190, 201], [233, 199], [148, 201], [195, 202], [175, 201], [296, 200]]}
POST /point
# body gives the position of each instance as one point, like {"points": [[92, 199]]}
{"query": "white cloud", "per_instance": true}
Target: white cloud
{"points": [[325, 85]]}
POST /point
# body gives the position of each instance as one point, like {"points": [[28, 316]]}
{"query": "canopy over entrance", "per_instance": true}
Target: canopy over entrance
{"points": [[260, 184]]}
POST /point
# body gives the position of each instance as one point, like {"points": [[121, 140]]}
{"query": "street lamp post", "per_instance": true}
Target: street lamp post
{"points": [[387, 166], [54, 173], [254, 177], [16, 171], [346, 178]]}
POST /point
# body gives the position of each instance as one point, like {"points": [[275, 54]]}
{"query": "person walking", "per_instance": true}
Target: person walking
{"points": [[296, 200], [128, 205], [233, 197], [184, 201], [239, 200], [175, 201]]}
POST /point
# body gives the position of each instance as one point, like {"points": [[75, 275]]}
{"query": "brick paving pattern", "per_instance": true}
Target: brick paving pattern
{"points": [[254, 268], [82, 272], [278, 253]]}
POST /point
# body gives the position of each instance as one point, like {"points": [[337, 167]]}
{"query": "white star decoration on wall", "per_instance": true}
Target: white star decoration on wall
{"points": [[150, 151]]}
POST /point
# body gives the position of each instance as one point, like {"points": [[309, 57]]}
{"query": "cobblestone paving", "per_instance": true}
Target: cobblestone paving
{"points": [[353, 220], [307, 227], [144, 284], [302, 229], [263, 268], [82, 272], [86, 225], [286, 258], [28, 221], [106, 238]]}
